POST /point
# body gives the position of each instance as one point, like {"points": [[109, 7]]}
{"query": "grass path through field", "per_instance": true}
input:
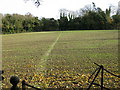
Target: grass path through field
{"points": [[43, 60]]}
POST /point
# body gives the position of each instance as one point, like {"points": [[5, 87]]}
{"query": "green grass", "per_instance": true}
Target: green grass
{"points": [[57, 59]]}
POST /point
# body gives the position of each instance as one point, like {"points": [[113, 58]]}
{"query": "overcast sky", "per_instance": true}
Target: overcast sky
{"points": [[49, 8]]}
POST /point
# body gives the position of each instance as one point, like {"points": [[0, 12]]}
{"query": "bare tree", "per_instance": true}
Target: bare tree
{"points": [[36, 2], [118, 11]]}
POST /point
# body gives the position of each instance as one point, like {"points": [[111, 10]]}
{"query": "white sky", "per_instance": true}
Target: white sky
{"points": [[50, 8]]}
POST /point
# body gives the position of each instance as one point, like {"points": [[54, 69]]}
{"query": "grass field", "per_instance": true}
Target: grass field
{"points": [[60, 59]]}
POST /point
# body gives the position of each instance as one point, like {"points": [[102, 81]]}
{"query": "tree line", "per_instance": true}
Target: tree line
{"points": [[87, 18]]}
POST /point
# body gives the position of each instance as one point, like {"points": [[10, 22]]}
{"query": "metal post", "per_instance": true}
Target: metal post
{"points": [[23, 85], [94, 78], [14, 80], [1, 77], [102, 68]]}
